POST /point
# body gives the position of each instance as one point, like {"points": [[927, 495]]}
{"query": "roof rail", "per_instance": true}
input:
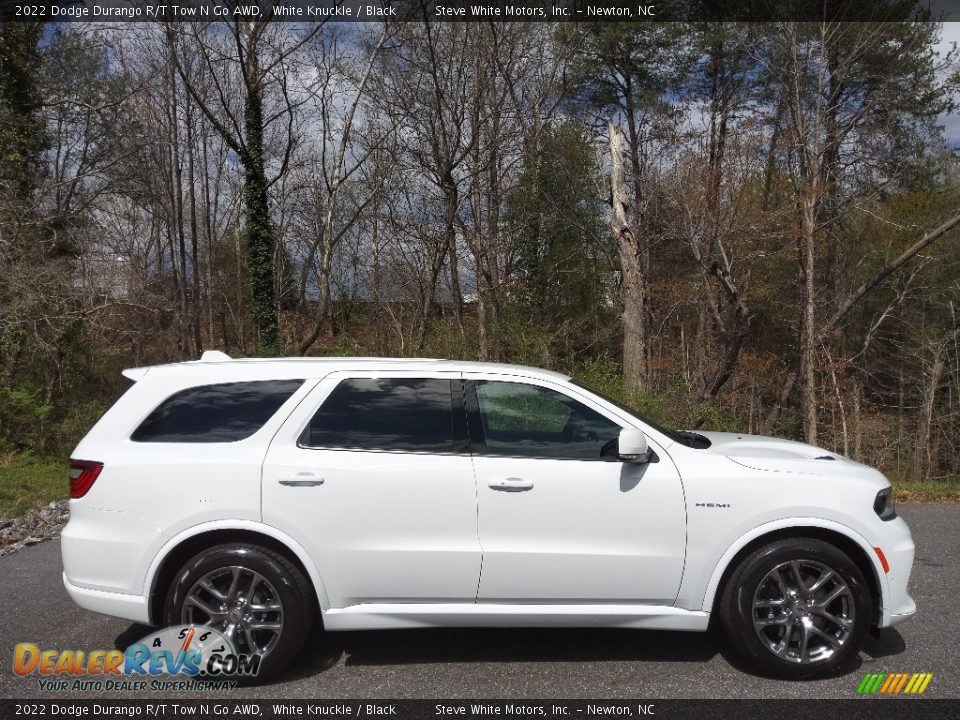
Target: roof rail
{"points": [[214, 356]]}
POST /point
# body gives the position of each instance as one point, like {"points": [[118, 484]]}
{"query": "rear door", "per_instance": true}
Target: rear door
{"points": [[372, 475]]}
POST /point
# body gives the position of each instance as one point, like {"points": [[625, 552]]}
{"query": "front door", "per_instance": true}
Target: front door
{"points": [[561, 520], [372, 475]]}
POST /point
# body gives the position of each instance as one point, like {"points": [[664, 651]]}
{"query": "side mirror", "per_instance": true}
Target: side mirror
{"points": [[632, 446]]}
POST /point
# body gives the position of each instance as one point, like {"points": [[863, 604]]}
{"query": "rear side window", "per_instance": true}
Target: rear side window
{"points": [[406, 414], [225, 412]]}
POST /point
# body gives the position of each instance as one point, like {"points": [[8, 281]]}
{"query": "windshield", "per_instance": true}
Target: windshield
{"points": [[672, 434]]}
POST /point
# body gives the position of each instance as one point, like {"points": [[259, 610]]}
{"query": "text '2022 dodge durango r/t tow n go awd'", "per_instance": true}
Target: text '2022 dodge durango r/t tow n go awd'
{"points": [[264, 496]]}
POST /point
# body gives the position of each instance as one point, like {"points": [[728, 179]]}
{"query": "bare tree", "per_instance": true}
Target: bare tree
{"points": [[261, 53]]}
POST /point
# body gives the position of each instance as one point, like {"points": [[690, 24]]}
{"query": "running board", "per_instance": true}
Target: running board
{"points": [[394, 616]]}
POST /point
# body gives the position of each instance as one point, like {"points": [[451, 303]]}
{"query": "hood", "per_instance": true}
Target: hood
{"points": [[767, 453], [757, 446]]}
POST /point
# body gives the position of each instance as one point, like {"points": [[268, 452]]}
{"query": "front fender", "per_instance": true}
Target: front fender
{"points": [[791, 523]]}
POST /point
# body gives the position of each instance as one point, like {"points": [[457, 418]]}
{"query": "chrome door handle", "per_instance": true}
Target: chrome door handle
{"points": [[513, 484], [301, 480]]}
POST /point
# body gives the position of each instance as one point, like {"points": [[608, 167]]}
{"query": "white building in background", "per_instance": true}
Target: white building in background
{"points": [[106, 274]]}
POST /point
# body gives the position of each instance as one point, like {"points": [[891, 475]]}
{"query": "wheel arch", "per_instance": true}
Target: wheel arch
{"points": [[176, 552], [854, 546]]}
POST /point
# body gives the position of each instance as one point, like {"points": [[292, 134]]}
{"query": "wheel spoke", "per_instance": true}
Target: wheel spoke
{"points": [[803, 649], [210, 610], [255, 579], [837, 592], [230, 632], [234, 584], [826, 636], [825, 575], [207, 585], [842, 622], [781, 584], [795, 571], [769, 603], [251, 643], [767, 622], [265, 625], [265, 607], [783, 647]]}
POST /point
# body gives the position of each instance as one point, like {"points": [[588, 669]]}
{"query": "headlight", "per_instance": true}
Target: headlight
{"points": [[883, 505]]}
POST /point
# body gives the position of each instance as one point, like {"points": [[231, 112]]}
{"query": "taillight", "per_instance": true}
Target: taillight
{"points": [[83, 473]]}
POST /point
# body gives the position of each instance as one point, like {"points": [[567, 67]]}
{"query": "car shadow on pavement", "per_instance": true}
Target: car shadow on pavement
{"points": [[889, 643], [323, 650], [505, 645], [129, 636]]}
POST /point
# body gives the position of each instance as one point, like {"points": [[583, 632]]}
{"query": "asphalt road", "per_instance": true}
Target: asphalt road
{"points": [[518, 663]]}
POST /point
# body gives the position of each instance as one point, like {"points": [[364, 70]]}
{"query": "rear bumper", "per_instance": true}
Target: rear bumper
{"points": [[122, 605], [106, 549]]}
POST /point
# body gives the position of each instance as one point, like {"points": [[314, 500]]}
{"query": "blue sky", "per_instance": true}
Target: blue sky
{"points": [[951, 123]]}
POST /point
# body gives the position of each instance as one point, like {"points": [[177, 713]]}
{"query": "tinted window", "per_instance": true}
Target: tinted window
{"points": [[215, 413], [529, 421], [385, 414]]}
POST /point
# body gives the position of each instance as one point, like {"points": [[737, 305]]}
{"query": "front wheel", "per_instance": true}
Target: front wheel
{"points": [[796, 609], [258, 599]]}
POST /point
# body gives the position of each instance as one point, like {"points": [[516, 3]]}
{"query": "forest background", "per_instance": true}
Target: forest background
{"points": [[727, 226]]}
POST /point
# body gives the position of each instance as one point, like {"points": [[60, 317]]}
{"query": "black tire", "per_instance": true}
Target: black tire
{"points": [[756, 644], [293, 591]]}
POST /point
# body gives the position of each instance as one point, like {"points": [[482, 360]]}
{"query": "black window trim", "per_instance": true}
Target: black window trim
{"points": [[461, 440], [478, 442]]}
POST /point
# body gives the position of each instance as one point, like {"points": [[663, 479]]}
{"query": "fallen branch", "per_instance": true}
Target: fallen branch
{"points": [[856, 296]]}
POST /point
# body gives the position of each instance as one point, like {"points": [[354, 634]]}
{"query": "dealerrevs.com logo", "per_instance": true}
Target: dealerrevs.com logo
{"points": [[200, 657], [894, 683]]}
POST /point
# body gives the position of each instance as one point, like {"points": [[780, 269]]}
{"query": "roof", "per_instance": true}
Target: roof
{"points": [[214, 359]]}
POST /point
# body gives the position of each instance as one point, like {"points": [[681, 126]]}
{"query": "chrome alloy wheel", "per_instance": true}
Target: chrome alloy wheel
{"points": [[240, 603], [803, 611]]}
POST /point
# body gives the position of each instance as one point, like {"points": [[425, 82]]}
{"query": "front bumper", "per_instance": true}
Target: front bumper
{"points": [[899, 550]]}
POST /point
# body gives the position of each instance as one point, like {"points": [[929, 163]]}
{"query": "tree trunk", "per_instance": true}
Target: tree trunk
{"points": [[924, 456], [260, 240], [808, 330], [194, 231], [450, 229], [634, 280]]}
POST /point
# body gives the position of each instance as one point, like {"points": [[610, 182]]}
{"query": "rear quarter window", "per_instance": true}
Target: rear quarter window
{"points": [[220, 413]]}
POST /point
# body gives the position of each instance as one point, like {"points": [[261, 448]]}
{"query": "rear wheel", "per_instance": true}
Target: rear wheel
{"points": [[796, 609], [258, 599]]}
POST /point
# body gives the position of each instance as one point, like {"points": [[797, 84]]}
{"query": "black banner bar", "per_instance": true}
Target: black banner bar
{"points": [[243, 709], [306, 11]]}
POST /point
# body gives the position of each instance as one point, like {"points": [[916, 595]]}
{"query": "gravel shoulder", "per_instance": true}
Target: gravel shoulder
{"points": [[33, 528]]}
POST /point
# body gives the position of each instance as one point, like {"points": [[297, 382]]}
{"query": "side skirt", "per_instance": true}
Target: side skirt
{"points": [[391, 616]]}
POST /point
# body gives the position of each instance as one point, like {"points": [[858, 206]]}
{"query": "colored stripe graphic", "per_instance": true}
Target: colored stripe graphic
{"points": [[870, 683], [894, 683], [903, 681]]}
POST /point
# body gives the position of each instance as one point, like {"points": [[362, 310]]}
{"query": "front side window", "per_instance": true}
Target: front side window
{"points": [[523, 420], [225, 412], [404, 414]]}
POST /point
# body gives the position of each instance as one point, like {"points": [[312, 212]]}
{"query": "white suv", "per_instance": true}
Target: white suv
{"points": [[264, 496]]}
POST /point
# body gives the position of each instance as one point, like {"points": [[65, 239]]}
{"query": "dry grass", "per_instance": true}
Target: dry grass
{"points": [[28, 483]]}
